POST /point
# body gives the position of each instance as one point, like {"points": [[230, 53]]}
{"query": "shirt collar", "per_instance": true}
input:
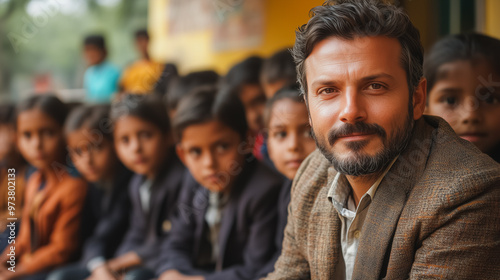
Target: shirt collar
{"points": [[340, 189]]}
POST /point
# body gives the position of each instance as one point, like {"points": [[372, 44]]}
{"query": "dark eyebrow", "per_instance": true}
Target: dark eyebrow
{"points": [[377, 76], [326, 81]]}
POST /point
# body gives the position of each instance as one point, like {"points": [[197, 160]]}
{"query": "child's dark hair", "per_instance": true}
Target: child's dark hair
{"points": [[245, 72], [94, 117], [280, 66], [7, 114], [206, 104], [474, 47], [48, 104], [96, 41], [149, 108], [182, 86], [141, 33], [291, 92]]}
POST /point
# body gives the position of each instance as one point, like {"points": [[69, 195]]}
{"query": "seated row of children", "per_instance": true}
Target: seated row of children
{"points": [[184, 193]]}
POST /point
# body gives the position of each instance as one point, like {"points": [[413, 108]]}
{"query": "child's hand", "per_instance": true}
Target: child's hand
{"points": [[103, 272], [176, 275], [124, 262]]}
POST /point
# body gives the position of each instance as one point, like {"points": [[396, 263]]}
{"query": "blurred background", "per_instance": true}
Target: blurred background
{"points": [[41, 40]]}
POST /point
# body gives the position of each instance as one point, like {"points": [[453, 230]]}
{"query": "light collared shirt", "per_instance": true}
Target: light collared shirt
{"points": [[145, 194], [352, 219]]}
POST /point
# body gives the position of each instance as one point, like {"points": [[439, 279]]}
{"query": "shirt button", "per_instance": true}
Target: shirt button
{"points": [[357, 234]]}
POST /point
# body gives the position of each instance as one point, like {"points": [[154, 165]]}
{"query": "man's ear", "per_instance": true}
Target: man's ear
{"points": [[419, 99], [180, 153]]}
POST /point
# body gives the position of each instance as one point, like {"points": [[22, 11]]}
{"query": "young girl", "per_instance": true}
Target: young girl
{"points": [[289, 143], [10, 158], [463, 85], [90, 143], [227, 209], [143, 143], [49, 236]]}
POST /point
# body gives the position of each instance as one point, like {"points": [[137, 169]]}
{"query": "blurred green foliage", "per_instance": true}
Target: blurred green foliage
{"points": [[45, 37]]}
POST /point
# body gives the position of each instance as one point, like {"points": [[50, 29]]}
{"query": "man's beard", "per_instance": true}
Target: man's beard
{"points": [[361, 164]]}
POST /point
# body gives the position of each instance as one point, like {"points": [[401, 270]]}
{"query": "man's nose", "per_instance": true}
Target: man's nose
{"points": [[353, 108]]}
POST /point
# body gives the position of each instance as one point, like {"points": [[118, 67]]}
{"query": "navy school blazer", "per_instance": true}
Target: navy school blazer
{"points": [[247, 230], [148, 229], [112, 214], [283, 201]]}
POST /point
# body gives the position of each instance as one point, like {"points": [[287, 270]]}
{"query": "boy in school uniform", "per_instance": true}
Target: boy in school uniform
{"points": [[225, 226]]}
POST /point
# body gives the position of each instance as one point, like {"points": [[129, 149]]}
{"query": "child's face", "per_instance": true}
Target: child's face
{"points": [[289, 140], [468, 98], [211, 153], [40, 139], [93, 55], [254, 100], [93, 155], [140, 145]]}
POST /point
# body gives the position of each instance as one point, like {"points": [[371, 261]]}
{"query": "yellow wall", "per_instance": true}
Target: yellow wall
{"points": [[193, 51], [492, 24]]}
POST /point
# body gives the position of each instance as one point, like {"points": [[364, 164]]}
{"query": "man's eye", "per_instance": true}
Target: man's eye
{"points": [[375, 86], [27, 135], [327, 91]]}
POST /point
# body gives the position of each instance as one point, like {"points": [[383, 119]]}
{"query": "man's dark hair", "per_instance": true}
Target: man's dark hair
{"points": [[280, 66], [149, 108], [206, 104], [291, 92], [182, 86], [245, 72], [141, 33], [96, 41], [349, 19], [474, 47], [93, 117]]}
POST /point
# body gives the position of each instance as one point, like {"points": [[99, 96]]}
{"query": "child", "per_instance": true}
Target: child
{"points": [[142, 75], [143, 143], [49, 236], [101, 78], [10, 158], [463, 75], [227, 212], [277, 72], [90, 143], [289, 142]]}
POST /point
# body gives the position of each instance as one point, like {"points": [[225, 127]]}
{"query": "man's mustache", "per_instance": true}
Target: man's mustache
{"points": [[359, 128]]}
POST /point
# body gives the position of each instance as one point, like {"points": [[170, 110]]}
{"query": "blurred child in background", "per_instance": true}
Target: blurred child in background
{"points": [[227, 210], [142, 75], [289, 142], [10, 159], [244, 81], [144, 144], [49, 236], [277, 72], [463, 85], [90, 143], [101, 78], [182, 86]]}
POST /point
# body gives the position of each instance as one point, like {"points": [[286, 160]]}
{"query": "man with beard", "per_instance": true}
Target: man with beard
{"points": [[391, 193]]}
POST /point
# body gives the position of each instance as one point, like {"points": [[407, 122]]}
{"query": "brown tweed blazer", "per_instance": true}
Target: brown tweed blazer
{"points": [[435, 215]]}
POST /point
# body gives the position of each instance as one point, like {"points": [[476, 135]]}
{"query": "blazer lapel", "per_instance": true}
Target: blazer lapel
{"points": [[325, 227], [384, 212]]}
